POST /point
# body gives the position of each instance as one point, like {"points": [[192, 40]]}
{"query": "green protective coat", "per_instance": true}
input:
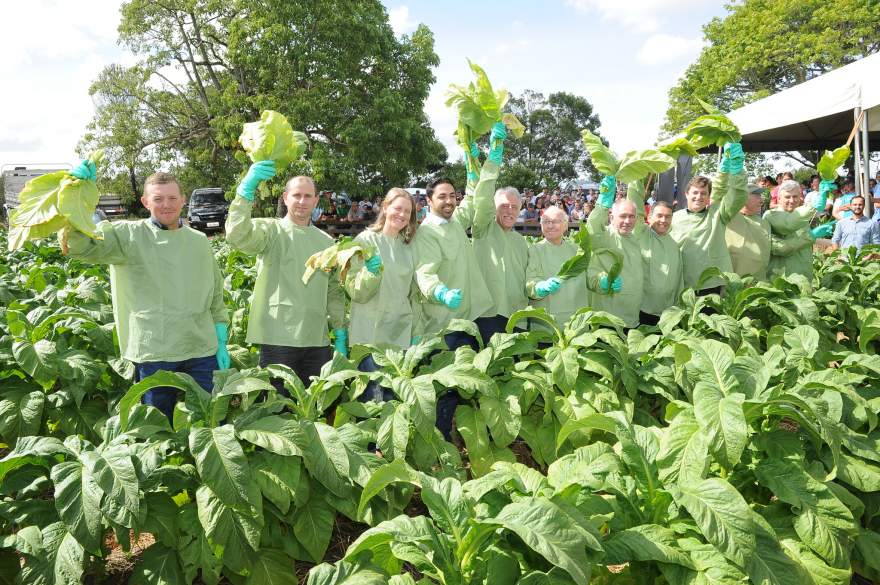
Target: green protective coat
{"points": [[166, 287], [502, 257], [748, 241], [626, 303], [791, 247], [384, 309], [662, 265], [701, 236], [445, 255], [284, 311], [545, 260]]}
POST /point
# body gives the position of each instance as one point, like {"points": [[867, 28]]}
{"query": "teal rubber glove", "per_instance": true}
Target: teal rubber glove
{"points": [[475, 151], [616, 285], [415, 340], [547, 287], [450, 298], [826, 186], [822, 231], [607, 191], [496, 142], [472, 176], [340, 341], [373, 264], [223, 359], [85, 171], [733, 158], [259, 172]]}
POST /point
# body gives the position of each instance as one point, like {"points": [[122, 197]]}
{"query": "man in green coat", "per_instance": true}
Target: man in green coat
{"points": [[560, 298], [615, 241], [288, 319], [448, 273], [700, 229], [502, 254], [748, 237], [166, 287], [791, 239]]}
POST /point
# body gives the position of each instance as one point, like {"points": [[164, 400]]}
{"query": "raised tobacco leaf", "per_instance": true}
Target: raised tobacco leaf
{"points": [[53, 202], [338, 256], [831, 161], [603, 159], [711, 129], [677, 146], [272, 138]]}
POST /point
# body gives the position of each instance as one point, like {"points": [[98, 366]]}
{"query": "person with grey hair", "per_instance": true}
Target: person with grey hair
{"points": [[502, 254], [748, 237], [791, 239], [288, 319]]}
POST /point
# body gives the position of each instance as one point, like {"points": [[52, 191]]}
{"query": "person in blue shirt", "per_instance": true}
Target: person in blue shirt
{"points": [[842, 205], [857, 230]]}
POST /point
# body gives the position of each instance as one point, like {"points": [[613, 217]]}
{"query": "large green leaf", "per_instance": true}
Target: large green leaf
{"points": [[770, 565], [43, 451], [21, 410], [472, 428], [684, 450], [722, 516], [37, 359], [343, 573], [277, 477], [712, 129], [394, 472], [272, 138], [587, 466], [648, 542], [325, 456], [276, 433], [420, 396], [77, 200], [822, 521], [38, 201], [313, 525], [52, 556], [272, 567], [78, 501], [639, 164], [160, 565], [723, 421], [602, 157], [236, 531], [115, 474], [549, 532], [136, 391], [831, 161], [223, 466]]}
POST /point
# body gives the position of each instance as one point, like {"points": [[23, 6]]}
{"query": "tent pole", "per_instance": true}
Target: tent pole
{"points": [[866, 157], [857, 158]]}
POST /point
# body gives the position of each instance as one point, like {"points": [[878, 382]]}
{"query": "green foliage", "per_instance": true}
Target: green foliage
{"points": [[272, 138], [831, 161]]}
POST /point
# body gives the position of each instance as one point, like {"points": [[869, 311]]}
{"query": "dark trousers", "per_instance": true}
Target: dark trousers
{"points": [[164, 398], [374, 391], [715, 290], [446, 404], [648, 318], [489, 326], [304, 361]]}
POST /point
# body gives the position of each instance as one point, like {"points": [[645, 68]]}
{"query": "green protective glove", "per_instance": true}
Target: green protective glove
{"points": [[85, 171], [496, 142], [822, 231], [223, 359], [450, 298], [733, 158], [472, 176], [616, 285], [826, 186], [340, 341], [415, 340], [257, 173], [607, 191], [547, 287], [373, 264]]}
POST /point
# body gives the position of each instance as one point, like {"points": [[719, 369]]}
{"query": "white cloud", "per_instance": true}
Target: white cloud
{"points": [[638, 15], [665, 48], [400, 21]]}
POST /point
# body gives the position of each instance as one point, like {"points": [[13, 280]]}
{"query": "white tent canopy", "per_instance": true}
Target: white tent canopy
{"points": [[816, 114]]}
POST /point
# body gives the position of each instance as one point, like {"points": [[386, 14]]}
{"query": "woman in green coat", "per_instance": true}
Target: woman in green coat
{"points": [[384, 310]]}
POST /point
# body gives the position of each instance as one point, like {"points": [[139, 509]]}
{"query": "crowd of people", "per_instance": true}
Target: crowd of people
{"points": [[458, 257]]}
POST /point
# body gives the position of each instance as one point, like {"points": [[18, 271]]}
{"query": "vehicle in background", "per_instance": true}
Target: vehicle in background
{"points": [[112, 206], [207, 209], [98, 216]]}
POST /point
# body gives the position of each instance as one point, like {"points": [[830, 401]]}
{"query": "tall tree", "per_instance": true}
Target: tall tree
{"points": [[764, 46], [335, 68], [551, 149]]}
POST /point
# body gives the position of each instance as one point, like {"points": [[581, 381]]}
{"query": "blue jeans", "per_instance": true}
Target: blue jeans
{"points": [[163, 397], [446, 404], [373, 392]]}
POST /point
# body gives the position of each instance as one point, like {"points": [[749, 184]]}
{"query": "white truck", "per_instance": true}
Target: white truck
{"points": [[15, 177]]}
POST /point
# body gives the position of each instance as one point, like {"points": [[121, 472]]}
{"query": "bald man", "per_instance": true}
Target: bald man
{"points": [[620, 296], [288, 319]]}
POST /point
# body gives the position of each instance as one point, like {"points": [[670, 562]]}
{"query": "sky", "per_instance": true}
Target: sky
{"points": [[621, 55]]}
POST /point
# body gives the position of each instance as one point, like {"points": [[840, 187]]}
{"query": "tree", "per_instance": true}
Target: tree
{"points": [[551, 148], [334, 68], [764, 46]]}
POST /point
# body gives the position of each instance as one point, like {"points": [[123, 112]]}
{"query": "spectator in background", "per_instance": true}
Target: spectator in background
{"points": [[855, 230], [583, 212], [421, 210], [876, 189], [813, 195], [770, 184], [842, 205], [529, 214], [356, 213]]}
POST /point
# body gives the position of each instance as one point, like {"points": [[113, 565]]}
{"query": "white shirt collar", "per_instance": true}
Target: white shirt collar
{"points": [[434, 219]]}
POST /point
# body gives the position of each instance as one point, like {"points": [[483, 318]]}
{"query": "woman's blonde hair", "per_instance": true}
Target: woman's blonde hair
{"points": [[393, 194]]}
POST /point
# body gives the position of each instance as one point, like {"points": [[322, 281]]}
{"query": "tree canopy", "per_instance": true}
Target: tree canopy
{"points": [[334, 68], [764, 46]]}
